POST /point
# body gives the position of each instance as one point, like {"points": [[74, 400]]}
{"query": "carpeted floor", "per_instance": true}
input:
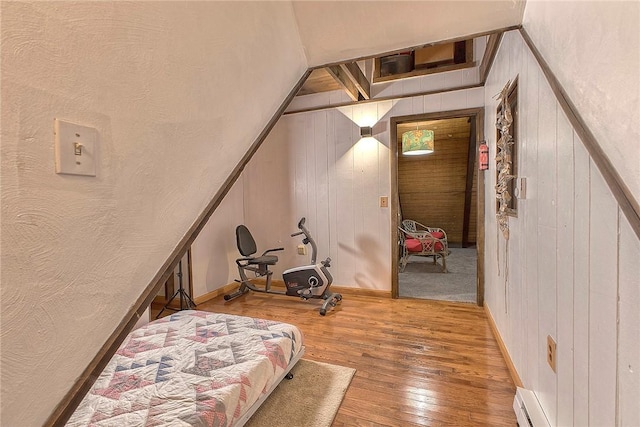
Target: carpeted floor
{"points": [[310, 399], [422, 279]]}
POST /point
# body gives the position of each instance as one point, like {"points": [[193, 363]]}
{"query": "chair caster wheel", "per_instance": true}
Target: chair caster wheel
{"points": [[289, 376], [227, 297], [323, 312]]}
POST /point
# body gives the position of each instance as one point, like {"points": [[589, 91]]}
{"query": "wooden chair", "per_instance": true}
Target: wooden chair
{"points": [[418, 239]]}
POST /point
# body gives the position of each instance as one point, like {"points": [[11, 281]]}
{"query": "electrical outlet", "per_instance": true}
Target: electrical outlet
{"points": [[384, 202], [551, 352], [302, 250]]}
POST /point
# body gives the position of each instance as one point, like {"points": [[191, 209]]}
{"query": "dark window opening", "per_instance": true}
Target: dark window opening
{"points": [[425, 60]]}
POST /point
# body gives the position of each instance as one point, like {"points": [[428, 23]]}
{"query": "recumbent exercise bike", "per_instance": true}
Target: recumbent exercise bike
{"points": [[306, 282]]}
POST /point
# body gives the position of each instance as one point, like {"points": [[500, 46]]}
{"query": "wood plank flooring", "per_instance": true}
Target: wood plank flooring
{"points": [[418, 363]]}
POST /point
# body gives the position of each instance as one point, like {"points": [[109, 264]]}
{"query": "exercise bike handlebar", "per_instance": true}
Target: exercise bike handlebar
{"points": [[307, 239], [272, 250]]}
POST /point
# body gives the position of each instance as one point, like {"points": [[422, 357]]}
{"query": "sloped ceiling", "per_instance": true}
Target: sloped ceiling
{"points": [[335, 31], [177, 94]]}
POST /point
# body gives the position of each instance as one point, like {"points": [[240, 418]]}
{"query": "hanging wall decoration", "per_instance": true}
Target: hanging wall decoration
{"points": [[504, 159]]}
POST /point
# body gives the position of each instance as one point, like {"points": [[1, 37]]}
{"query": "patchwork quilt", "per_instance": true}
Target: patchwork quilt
{"points": [[192, 368]]}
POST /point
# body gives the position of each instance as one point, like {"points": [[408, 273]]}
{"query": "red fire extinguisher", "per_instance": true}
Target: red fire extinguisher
{"points": [[483, 158]]}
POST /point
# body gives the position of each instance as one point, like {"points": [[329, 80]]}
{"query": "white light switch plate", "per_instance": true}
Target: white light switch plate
{"points": [[76, 148], [522, 190]]}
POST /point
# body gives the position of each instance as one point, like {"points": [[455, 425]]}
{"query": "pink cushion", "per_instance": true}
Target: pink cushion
{"points": [[437, 234], [413, 245]]}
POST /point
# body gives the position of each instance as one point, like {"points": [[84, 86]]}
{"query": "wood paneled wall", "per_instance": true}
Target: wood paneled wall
{"points": [[432, 187], [570, 269], [315, 164]]}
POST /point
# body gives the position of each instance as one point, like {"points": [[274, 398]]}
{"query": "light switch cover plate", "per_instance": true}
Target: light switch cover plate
{"points": [[76, 148]]}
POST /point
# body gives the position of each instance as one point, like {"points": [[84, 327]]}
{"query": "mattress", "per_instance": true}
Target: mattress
{"points": [[192, 368]]}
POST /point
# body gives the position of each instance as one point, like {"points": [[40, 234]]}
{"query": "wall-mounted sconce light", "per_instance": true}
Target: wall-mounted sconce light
{"points": [[366, 131], [416, 142]]}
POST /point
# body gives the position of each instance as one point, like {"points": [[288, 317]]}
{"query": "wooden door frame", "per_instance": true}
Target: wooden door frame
{"points": [[473, 113]]}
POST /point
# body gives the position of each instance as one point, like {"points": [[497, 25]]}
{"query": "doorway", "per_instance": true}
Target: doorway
{"points": [[442, 190]]}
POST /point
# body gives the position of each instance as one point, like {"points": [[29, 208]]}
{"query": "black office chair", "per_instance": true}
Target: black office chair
{"points": [[258, 265]]}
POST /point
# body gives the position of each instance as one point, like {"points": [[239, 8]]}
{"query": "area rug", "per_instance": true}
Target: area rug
{"points": [[310, 399], [422, 279]]}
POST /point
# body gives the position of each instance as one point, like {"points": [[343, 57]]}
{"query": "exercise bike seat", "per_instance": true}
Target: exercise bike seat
{"points": [[247, 247]]}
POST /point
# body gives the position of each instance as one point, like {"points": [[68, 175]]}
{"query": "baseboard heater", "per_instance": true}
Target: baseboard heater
{"points": [[528, 410]]}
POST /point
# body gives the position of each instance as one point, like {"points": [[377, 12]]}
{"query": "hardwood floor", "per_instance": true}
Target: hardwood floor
{"points": [[418, 363]]}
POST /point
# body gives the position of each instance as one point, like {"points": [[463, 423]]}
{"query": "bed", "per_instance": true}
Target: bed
{"points": [[192, 368]]}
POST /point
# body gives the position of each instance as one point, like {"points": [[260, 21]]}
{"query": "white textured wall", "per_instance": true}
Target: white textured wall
{"points": [[571, 267], [315, 165], [334, 31], [214, 251], [177, 91], [593, 49]]}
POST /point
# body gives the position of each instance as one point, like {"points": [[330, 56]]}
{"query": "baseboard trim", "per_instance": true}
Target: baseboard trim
{"points": [[279, 284], [215, 293], [160, 300], [503, 349], [362, 292]]}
